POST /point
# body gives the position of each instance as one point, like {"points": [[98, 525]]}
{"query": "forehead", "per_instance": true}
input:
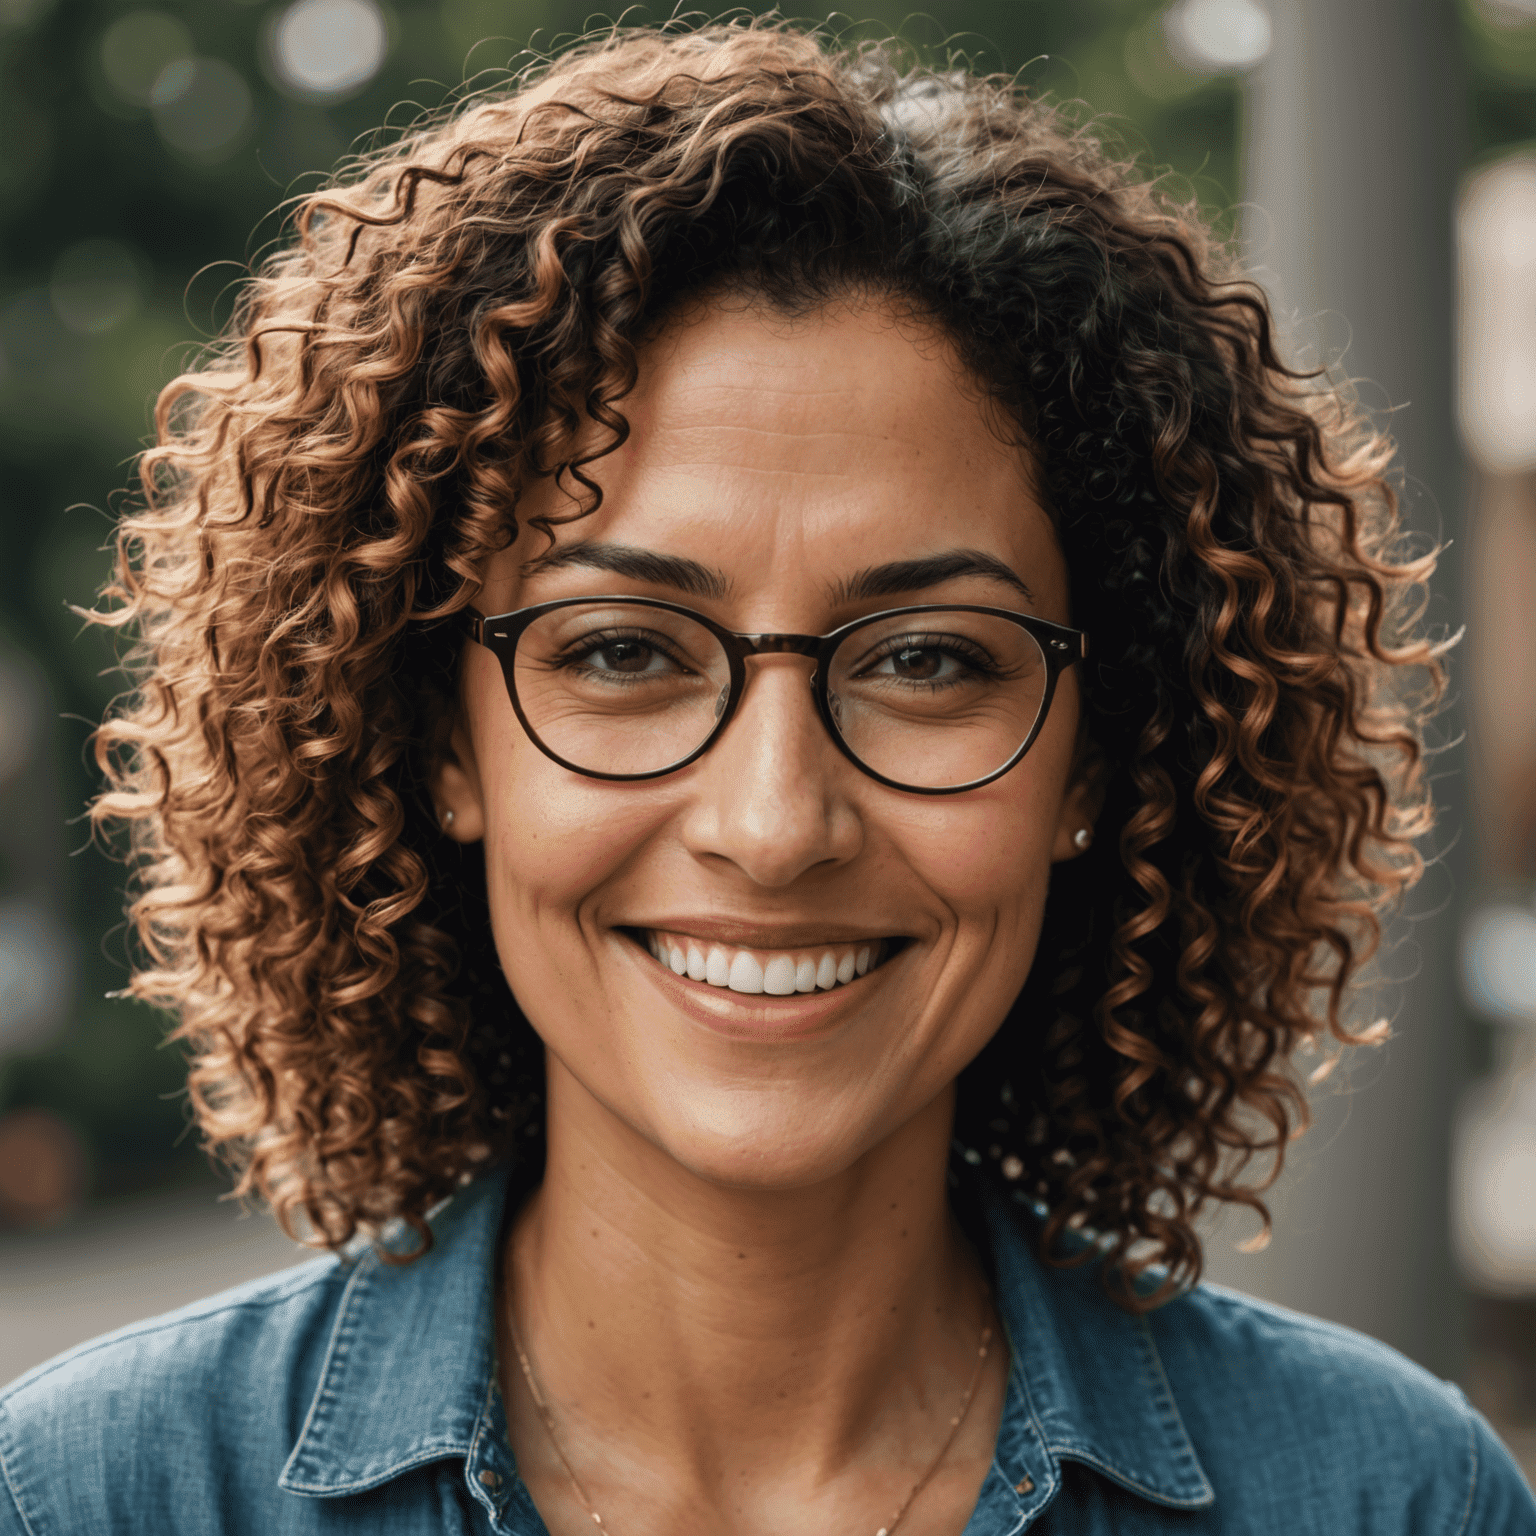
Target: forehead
{"points": [[774, 448]]}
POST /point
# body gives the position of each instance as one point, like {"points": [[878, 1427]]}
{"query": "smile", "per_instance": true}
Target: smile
{"points": [[778, 973]]}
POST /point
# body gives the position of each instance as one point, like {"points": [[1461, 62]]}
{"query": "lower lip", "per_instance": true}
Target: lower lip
{"points": [[759, 1016]]}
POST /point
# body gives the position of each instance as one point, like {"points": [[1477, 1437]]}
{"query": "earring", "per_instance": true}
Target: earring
{"points": [[1080, 839], [447, 820]]}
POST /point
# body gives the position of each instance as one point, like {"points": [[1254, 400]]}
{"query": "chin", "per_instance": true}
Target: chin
{"points": [[754, 1145], [763, 1170]]}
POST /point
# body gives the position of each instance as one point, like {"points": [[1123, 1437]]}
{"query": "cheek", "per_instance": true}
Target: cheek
{"points": [[988, 856], [992, 871], [552, 838], [989, 859], [552, 844]]}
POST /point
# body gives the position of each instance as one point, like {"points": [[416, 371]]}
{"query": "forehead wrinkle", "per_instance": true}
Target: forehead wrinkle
{"points": [[755, 429], [676, 444], [759, 385], [711, 469]]}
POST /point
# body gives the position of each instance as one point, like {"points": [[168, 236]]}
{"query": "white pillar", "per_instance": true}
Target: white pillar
{"points": [[1352, 149]]}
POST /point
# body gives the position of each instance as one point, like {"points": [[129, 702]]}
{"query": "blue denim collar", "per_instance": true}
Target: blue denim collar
{"points": [[1087, 1384], [409, 1375], [409, 1378]]}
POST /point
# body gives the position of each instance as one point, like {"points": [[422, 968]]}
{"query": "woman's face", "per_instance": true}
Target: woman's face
{"points": [[771, 463]]}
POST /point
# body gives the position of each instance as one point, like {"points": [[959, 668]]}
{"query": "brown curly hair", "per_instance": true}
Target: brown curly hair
{"points": [[450, 317]]}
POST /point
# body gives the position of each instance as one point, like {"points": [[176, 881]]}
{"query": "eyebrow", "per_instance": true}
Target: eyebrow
{"points": [[689, 576], [675, 571], [899, 576]]}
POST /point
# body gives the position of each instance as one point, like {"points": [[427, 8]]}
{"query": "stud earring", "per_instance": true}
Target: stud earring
{"points": [[1080, 839], [447, 820]]}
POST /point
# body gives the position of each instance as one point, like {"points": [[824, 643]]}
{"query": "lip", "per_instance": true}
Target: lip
{"points": [[759, 1016], [766, 936]]}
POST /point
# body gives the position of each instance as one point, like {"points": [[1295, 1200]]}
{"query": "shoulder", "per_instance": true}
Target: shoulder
{"points": [[1298, 1413], [153, 1418], [1245, 1417]]}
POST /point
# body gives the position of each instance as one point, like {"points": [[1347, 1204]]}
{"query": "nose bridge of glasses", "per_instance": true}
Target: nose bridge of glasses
{"points": [[781, 645], [779, 653]]}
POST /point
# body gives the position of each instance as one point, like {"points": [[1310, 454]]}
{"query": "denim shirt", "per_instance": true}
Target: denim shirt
{"points": [[352, 1395]]}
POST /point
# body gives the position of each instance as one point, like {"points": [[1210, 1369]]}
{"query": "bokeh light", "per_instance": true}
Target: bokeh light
{"points": [[202, 107], [1507, 13], [136, 49], [96, 285], [1498, 956], [42, 1167], [1497, 248], [1216, 36], [327, 48], [16, 14], [1494, 1172]]}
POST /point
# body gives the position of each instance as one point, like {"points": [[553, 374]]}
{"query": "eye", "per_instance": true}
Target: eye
{"points": [[934, 659], [920, 661], [623, 655]]}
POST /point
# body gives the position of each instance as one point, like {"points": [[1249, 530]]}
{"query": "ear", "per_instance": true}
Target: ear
{"points": [[1082, 803], [455, 783]]}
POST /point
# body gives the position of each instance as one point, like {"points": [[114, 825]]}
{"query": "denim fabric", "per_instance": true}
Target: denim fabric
{"points": [[350, 1395]]}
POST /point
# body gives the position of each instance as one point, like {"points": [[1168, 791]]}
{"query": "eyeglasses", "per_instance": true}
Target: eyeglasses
{"points": [[934, 700]]}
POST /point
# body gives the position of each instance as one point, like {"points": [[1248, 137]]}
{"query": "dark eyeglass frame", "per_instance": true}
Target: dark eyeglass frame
{"points": [[1060, 645]]}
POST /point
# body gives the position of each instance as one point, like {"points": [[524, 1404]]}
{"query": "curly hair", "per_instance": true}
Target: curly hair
{"points": [[454, 316]]}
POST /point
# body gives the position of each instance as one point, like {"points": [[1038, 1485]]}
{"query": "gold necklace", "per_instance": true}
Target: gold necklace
{"points": [[885, 1530]]}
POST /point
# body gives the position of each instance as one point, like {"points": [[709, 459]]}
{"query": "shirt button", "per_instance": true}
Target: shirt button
{"points": [[1025, 1485], [490, 1479]]}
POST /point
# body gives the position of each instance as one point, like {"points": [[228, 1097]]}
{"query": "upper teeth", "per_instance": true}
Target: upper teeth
{"points": [[777, 972]]}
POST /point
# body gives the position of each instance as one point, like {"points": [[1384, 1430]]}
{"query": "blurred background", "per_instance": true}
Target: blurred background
{"points": [[1377, 161]]}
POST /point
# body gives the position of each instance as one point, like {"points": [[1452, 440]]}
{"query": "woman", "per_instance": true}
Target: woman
{"points": [[764, 720]]}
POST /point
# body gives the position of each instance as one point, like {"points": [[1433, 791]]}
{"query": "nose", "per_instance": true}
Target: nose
{"points": [[772, 795]]}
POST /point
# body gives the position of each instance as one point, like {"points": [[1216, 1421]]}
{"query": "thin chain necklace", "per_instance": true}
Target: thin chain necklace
{"points": [[885, 1530]]}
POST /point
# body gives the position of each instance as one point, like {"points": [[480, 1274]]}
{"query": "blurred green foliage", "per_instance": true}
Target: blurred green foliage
{"points": [[1499, 40], [131, 198]]}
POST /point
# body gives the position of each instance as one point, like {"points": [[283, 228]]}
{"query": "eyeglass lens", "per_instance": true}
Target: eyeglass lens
{"points": [[930, 700]]}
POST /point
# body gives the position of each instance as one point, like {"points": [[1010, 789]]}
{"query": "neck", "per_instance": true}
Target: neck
{"points": [[704, 1326]]}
